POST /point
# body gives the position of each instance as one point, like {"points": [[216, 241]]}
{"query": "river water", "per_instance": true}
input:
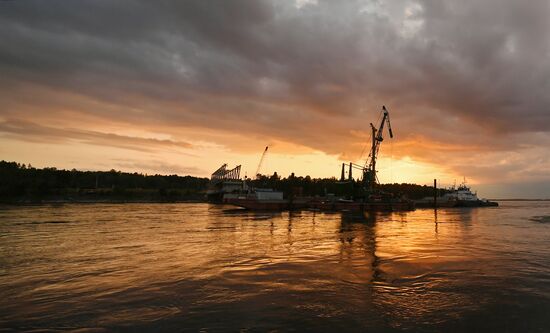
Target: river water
{"points": [[200, 267]]}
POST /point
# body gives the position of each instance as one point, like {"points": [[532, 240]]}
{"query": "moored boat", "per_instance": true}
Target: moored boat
{"points": [[361, 206], [466, 198], [265, 199], [461, 196]]}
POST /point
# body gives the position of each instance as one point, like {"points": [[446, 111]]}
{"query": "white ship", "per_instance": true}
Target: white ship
{"points": [[464, 197], [461, 196]]}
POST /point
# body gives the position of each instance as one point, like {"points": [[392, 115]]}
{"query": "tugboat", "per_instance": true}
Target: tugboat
{"points": [[464, 197], [456, 197]]}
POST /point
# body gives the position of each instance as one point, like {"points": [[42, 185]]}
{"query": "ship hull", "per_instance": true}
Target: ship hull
{"points": [[439, 204], [456, 203], [215, 197], [280, 205], [362, 206], [272, 205], [476, 203]]}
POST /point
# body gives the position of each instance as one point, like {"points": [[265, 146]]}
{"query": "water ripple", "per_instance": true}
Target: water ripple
{"points": [[193, 267]]}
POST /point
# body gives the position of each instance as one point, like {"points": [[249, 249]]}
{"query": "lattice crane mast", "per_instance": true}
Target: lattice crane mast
{"points": [[369, 171], [259, 168]]}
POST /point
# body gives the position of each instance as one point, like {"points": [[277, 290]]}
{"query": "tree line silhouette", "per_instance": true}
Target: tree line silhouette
{"points": [[24, 183], [20, 182], [307, 186]]}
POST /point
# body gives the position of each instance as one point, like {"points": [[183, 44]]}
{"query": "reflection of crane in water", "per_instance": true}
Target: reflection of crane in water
{"points": [[354, 225]]}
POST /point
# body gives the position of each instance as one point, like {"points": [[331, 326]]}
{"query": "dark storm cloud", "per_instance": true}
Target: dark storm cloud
{"points": [[466, 72]]}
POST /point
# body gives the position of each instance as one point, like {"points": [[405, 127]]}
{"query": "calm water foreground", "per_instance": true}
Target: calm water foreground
{"points": [[193, 267]]}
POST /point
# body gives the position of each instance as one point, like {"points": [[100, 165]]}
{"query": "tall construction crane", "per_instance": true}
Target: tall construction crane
{"points": [[369, 171], [259, 168]]}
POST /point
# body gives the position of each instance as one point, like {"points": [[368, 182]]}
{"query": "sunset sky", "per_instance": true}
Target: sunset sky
{"points": [[185, 86]]}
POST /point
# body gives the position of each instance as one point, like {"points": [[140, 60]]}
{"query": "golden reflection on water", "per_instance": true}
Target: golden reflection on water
{"points": [[139, 265]]}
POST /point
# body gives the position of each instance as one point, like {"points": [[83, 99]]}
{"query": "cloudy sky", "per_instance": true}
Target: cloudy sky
{"points": [[185, 86]]}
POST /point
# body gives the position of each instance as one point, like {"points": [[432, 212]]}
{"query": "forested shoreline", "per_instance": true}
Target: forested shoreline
{"points": [[20, 183]]}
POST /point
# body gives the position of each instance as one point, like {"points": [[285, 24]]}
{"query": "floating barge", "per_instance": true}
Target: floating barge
{"points": [[365, 197], [266, 199], [357, 206], [253, 203]]}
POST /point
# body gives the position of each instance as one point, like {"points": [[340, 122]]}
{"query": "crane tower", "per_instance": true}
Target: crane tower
{"points": [[369, 171]]}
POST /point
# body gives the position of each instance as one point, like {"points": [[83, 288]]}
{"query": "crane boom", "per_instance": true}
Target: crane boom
{"points": [[377, 138], [258, 169]]}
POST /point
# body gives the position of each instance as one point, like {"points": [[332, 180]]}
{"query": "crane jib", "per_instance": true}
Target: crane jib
{"points": [[377, 137]]}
